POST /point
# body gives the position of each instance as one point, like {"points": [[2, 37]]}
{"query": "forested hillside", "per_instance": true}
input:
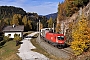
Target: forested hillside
{"points": [[10, 15], [9, 11]]}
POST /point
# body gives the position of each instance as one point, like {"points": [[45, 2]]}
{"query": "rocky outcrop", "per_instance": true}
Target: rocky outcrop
{"points": [[74, 18], [86, 11]]}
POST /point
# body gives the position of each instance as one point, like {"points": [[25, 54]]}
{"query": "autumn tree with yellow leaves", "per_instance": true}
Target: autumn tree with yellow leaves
{"points": [[60, 17], [50, 22], [24, 20], [81, 36], [17, 38], [41, 26], [15, 19], [29, 24]]}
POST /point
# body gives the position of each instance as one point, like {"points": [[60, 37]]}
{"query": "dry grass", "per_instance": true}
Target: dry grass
{"points": [[13, 57], [8, 51], [42, 51]]}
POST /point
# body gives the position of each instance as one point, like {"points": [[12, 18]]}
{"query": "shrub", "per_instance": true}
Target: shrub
{"points": [[6, 38], [17, 38]]}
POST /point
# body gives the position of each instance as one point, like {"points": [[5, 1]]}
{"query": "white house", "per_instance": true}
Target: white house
{"points": [[11, 30]]}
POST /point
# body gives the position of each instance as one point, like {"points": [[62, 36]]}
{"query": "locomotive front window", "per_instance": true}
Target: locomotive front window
{"points": [[60, 37]]}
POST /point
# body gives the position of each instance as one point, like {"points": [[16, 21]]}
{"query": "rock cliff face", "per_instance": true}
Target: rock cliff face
{"points": [[86, 11], [74, 18]]}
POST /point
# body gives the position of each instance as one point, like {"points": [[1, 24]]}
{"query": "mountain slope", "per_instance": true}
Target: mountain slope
{"points": [[9, 11], [53, 15]]}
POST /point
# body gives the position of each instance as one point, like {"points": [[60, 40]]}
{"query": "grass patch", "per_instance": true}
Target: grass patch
{"points": [[42, 51], [8, 51]]}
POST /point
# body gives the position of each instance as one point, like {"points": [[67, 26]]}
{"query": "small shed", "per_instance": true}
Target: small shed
{"points": [[11, 30]]}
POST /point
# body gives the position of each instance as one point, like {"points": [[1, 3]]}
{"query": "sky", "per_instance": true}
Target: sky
{"points": [[41, 7]]}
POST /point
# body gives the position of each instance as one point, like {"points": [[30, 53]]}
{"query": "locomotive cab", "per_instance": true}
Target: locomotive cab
{"points": [[60, 40]]}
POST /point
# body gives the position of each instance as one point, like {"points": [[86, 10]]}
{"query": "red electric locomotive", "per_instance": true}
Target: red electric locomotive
{"points": [[55, 39]]}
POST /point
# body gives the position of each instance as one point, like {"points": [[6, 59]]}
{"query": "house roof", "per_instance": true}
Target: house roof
{"points": [[16, 28]]}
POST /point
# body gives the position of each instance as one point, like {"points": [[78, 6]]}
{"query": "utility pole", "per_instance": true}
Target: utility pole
{"points": [[53, 27], [39, 29], [37, 26], [63, 28]]}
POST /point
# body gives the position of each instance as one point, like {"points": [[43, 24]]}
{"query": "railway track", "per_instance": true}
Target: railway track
{"points": [[64, 53], [68, 51], [63, 49]]}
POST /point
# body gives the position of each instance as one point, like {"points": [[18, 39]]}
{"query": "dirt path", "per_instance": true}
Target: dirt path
{"points": [[25, 52]]}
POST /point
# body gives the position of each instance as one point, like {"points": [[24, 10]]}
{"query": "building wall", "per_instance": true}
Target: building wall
{"points": [[12, 34]]}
